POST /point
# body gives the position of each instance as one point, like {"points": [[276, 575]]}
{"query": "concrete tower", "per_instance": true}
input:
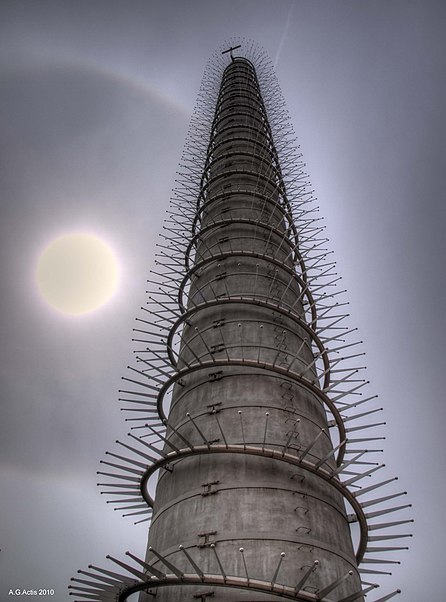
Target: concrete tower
{"points": [[248, 406]]}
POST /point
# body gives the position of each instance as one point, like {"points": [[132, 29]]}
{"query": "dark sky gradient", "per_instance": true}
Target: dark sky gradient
{"points": [[95, 100]]}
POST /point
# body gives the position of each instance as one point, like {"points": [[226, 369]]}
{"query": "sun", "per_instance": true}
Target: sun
{"points": [[77, 273]]}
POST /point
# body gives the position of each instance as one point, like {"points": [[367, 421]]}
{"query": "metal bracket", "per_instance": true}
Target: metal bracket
{"points": [[207, 539], [214, 376], [209, 489], [217, 348], [214, 407]]}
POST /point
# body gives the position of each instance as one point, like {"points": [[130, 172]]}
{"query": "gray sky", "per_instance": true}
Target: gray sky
{"points": [[95, 100]]}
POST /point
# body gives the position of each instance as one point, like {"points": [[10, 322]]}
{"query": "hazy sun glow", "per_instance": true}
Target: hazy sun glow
{"points": [[77, 273]]}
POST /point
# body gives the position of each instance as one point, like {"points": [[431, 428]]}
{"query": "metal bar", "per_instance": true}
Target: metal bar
{"points": [[147, 566], [221, 430], [312, 444], [213, 548], [192, 561], [323, 592], [385, 598], [358, 594], [306, 576], [273, 580], [264, 433], [244, 563], [243, 431], [205, 441], [168, 564]]}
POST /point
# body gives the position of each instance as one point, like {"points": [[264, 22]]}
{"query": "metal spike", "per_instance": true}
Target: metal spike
{"points": [[372, 487], [387, 511], [128, 568], [162, 438], [243, 430], [273, 580], [387, 537], [120, 578], [392, 524], [264, 433], [159, 574], [222, 571], [290, 437], [143, 520], [312, 444], [169, 565], [306, 576], [329, 454], [322, 593], [387, 549], [192, 562], [151, 459], [385, 598], [119, 476], [89, 594], [149, 445], [107, 580], [221, 430], [359, 594], [205, 441], [179, 435], [345, 464], [364, 474], [362, 570], [382, 499], [379, 561], [244, 563], [95, 584]]}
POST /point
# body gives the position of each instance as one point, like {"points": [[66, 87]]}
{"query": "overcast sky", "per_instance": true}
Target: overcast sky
{"points": [[95, 100]]}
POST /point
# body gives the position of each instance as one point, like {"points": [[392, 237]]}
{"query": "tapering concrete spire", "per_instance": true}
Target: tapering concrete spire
{"points": [[246, 403], [249, 380]]}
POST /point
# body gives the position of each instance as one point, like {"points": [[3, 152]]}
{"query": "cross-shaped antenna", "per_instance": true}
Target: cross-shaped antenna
{"points": [[230, 51]]}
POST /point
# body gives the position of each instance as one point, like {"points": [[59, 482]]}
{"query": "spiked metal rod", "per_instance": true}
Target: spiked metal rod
{"points": [[241, 375]]}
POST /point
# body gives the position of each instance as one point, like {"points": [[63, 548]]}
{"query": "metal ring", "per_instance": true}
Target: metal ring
{"points": [[225, 194], [262, 366], [285, 209], [251, 155], [284, 591], [228, 222], [241, 139], [305, 290], [266, 305], [265, 453]]}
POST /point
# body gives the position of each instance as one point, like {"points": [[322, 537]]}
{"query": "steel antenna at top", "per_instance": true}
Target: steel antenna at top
{"points": [[230, 51]]}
